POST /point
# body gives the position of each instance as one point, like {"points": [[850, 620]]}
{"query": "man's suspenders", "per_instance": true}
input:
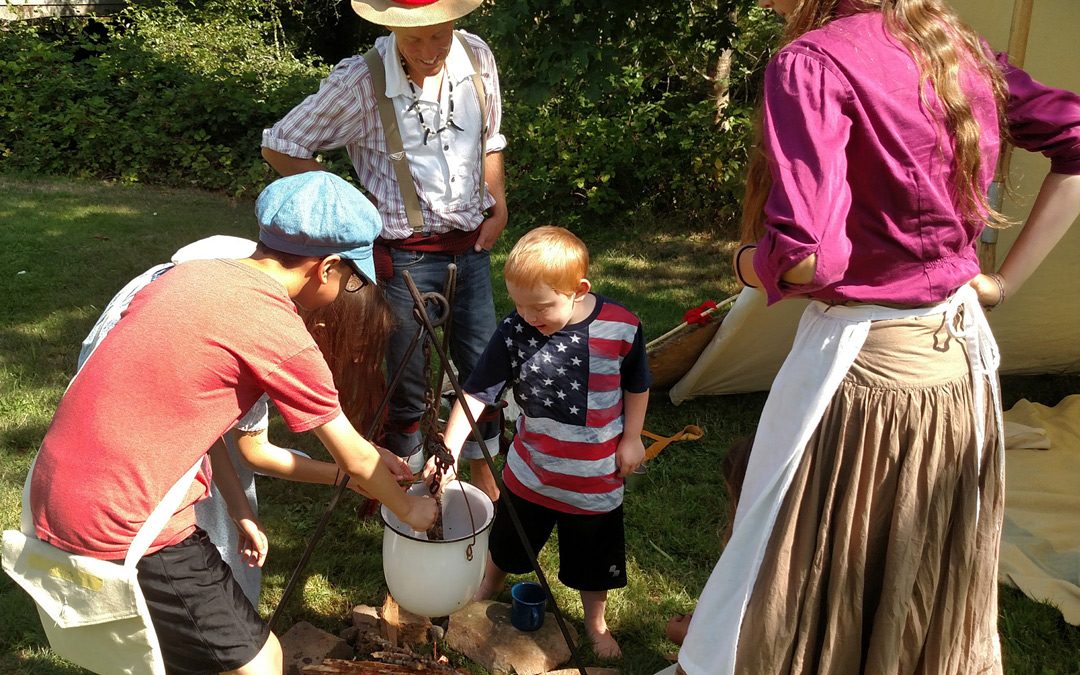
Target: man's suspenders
{"points": [[393, 134]]}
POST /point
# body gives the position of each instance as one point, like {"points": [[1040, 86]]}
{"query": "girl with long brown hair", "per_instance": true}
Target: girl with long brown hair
{"points": [[352, 333], [866, 535]]}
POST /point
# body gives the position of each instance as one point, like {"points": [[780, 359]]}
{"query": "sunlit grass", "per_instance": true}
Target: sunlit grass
{"points": [[79, 242]]}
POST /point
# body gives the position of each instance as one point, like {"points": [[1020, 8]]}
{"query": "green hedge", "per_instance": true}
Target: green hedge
{"points": [[609, 107], [156, 96]]}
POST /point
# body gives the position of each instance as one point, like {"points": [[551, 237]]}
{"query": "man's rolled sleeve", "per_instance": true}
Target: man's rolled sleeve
{"points": [[489, 72], [332, 117], [285, 147]]}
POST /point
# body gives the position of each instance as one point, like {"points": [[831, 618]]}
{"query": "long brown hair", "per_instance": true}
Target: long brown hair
{"points": [[352, 333], [941, 44]]}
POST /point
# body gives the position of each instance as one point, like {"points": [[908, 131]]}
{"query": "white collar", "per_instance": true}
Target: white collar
{"points": [[458, 66]]}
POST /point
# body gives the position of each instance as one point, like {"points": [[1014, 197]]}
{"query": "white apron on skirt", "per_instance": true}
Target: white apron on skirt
{"points": [[828, 341]]}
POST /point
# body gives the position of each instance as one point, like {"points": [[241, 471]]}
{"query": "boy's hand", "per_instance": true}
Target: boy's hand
{"points": [[428, 474], [629, 454], [253, 544], [421, 513], [397, 466]]}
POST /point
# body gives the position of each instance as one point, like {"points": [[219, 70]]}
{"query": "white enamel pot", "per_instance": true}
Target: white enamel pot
{"points": [[437, 578]]}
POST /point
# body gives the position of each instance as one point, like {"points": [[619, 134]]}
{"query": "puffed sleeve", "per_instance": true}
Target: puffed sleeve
{"points": [[805, 132], [1043, 119]]}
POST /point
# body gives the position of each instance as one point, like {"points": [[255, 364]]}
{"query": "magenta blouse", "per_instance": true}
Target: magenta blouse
{"points": [[861, 166]]}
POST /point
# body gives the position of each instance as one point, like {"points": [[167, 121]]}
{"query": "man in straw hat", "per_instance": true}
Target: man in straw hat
{"points": [[419, 116]]}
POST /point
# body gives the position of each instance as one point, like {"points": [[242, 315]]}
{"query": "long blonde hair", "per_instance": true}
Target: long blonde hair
{"points": [[941, 45]]}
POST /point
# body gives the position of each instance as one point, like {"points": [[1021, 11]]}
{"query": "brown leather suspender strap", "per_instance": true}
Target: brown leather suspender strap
{"points": [[392, 133], [393, 141]]}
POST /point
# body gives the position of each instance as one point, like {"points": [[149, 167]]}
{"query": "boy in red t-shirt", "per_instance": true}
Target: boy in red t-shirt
{"points": [[193, 353]]}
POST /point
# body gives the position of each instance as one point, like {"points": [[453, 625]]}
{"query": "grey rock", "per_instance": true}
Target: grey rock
{"points": [[349, 634], [304, 645], [363, 615], [482, 632]]}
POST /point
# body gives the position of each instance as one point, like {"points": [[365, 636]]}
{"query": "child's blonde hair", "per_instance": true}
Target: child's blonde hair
{"points": [[548, 255]]}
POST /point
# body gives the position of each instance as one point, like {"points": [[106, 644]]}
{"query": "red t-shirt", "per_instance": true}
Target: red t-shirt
{"points": [[193, 352]]}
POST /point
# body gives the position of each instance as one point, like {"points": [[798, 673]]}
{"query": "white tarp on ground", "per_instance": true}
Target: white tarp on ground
{"points": [[1040, 544]]}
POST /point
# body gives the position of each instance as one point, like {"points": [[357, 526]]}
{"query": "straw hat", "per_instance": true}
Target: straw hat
{"points": [[412, 13]]}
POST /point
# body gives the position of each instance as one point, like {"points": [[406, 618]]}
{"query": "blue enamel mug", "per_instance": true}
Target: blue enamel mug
{"points": [[528, 603]]}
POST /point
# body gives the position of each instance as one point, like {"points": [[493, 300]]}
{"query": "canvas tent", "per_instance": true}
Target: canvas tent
{"points": [[1038, 331]]}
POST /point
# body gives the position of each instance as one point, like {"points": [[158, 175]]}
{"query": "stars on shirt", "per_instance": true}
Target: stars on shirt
{"points": [[551, 371]]}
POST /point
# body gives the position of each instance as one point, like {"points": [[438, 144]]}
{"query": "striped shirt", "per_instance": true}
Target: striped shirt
{"points": [[445, 169], [569, 386]]}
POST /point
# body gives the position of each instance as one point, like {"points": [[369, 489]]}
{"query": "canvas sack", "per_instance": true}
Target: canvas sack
{"points": [[93, 611]]}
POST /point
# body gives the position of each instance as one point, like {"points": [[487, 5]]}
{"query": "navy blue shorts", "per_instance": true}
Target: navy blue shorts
{"points": [[203, 620], [592, 548]]}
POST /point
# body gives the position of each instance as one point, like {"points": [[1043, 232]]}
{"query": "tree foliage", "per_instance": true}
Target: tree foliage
{"points": [[616, 106], [609, 107], [159, 95]]}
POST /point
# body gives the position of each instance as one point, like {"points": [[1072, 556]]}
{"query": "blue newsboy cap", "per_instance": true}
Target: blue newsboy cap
{"points": [[318, 214]]}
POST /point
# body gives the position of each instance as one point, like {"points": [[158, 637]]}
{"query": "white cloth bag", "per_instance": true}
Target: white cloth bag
{"points": [[93, 611]]}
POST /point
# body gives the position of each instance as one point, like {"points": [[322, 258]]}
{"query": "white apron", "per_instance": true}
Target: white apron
{"points": [[829, 339]]}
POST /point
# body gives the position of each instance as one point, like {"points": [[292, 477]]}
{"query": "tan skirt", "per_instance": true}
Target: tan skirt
{"points": [[884, 555]]}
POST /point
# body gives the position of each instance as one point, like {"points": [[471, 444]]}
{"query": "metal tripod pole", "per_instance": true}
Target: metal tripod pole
{"points": [[479, 437], [320, 527]]}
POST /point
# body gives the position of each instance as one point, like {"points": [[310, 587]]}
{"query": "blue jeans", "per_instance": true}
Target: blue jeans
{"points": [[472, 325]]}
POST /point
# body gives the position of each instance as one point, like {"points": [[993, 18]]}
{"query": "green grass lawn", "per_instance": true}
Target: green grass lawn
{"points": [[66, 247]]}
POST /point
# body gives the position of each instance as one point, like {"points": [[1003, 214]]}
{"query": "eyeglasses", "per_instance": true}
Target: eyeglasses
{"points": [[355, 283], [356, 280]]}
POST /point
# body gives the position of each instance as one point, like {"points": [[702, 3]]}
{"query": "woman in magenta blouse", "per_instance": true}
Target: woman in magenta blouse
{"points": [[866, 536]]}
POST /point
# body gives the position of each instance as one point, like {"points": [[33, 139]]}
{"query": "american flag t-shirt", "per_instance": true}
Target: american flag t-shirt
{"points": [[569, 386]]}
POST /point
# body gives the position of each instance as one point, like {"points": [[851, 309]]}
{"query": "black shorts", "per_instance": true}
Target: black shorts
{"points": [[203, 620], [592, 549]]}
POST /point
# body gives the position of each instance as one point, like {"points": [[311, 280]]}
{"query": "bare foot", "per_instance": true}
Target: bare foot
{"points": [[677, 627], [487, 591], [492, 584], [604, 644]]}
